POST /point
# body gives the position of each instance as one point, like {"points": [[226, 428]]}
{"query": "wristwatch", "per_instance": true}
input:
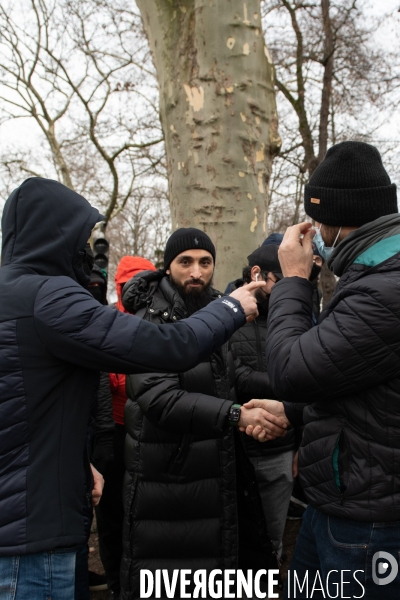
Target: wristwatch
{"points": [[234, 414]]}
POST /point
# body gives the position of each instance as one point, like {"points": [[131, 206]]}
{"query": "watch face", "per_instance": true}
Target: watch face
{"points": [[235, 414]]}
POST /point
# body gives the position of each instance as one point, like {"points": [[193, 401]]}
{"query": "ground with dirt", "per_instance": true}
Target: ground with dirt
{"points": [[289, 541]]}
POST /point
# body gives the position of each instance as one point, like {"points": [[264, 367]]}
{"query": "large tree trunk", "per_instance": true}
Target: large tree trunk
{"points": [[218, 114]]}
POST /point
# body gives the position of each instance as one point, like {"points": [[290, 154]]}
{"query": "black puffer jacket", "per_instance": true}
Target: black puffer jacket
{"points": [[54, 340], [348, 367], [181, 495], [248, 349]]}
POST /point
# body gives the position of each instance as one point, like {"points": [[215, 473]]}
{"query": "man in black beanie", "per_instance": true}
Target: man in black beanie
{"points": [[194, 492], [347, 368], [273, 460]]}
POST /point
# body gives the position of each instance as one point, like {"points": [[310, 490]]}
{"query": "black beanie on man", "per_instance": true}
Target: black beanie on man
{"points": [[186, 239], [266, 257], [350, 187]]}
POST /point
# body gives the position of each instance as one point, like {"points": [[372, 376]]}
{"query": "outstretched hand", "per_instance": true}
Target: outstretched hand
{"points": [[255, 417], [273, 413], [246, 297], [295, 252]]}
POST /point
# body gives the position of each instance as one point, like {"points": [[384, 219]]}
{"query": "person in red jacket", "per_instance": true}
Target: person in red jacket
{"points": [[108, 452], [128, 267]]}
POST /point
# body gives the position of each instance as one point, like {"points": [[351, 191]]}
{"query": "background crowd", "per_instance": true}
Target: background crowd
{"points": [[192, 404], [192, 451]]}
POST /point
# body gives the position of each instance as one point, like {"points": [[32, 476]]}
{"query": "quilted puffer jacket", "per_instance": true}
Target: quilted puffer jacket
{"points": [[248, 349], [348, 369], [191, 499], [54, 339]]}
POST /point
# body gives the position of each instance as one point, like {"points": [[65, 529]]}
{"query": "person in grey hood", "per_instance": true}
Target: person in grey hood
{"points": [[347, 368], [54, 339]]}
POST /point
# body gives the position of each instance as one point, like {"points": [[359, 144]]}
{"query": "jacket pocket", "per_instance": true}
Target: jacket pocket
{"points": [[340, 462]]}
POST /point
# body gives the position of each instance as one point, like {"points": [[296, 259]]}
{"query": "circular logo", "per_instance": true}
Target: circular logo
{"points": [[382, 568]]}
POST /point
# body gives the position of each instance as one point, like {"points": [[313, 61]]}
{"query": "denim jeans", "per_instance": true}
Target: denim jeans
{"points": [[41, 576], [340, 556]]}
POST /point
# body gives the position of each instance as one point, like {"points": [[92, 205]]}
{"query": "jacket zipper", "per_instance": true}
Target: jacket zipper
{"points": [[336, 466]]}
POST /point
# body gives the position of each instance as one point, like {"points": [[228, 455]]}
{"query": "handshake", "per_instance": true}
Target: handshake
{"points": [[263, 419]]}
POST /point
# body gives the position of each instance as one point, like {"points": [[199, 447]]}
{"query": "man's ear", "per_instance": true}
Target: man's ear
{"points": [[168, 272], [318, 260], [254, 272]]}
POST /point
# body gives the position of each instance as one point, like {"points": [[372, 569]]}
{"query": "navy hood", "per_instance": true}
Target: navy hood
{"points": [[45, 225]]}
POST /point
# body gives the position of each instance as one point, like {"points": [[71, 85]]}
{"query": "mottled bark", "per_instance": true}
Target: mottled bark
{"points": [[218, 114]]}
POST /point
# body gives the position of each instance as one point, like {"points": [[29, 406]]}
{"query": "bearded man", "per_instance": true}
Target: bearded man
{"points": [[191, 500]]}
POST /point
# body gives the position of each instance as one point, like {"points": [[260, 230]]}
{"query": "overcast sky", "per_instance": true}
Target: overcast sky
{"points": [[25, 133]]}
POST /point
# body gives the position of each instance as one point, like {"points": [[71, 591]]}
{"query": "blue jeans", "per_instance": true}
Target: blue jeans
{"points": [[340, 556], [42, 576]]}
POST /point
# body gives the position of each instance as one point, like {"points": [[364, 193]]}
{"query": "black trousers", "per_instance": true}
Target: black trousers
{"points": [[110, 512]]}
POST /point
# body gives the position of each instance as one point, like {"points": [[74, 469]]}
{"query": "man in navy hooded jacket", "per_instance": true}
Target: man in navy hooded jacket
{"points": [[54, 339]]}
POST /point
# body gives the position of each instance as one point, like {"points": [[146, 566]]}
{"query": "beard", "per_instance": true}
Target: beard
{"points": [[262, 301], [194, 298]]}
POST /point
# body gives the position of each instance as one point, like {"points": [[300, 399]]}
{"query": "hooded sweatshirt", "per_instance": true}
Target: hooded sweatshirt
{"points": [[54, 339], [127, 268]]}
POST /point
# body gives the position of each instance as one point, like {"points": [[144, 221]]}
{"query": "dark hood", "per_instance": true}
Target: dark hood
{"points": [[45, 225]]}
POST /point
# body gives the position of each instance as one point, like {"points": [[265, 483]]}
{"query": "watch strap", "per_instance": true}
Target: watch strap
{"points": [[234, 422]]}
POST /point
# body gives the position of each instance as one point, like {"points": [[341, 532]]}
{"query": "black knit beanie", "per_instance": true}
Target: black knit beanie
{"points": [[266, 257], [350, 187], [186, 239]]}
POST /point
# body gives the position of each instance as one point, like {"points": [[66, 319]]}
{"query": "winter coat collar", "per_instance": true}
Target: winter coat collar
{"points": [[153, 289], [368, 245]]}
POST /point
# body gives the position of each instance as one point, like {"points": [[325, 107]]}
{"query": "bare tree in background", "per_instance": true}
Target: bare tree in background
{"points": [[141, 229], [140, 216], [77, 68], [217, 108], [333, 81]]}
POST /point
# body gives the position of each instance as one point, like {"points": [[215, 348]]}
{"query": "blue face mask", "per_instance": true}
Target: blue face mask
{"points": [[325, 251]]}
